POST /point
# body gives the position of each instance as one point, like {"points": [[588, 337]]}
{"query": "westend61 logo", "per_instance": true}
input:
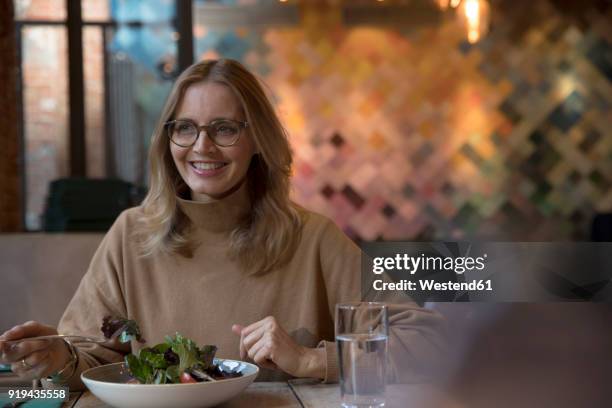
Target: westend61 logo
{"points": [[413, 264], [404, 263]]}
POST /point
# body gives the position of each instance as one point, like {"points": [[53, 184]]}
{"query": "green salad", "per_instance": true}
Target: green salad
{"points": [[177, 360]]}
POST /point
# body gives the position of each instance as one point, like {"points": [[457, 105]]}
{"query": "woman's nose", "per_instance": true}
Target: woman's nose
{"points": [[204, 143]]}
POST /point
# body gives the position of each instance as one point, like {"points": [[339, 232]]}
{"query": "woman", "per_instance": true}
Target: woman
{"points": [[218, 252]]}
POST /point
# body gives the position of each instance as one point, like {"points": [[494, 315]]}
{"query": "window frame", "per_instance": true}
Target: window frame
{"points": [[74, 25]]}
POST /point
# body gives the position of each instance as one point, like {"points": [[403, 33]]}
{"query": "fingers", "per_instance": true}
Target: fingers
{"points": [[250, 334], [15, 352], [32, 358], [269, 345], [28, 329], [12, 352], [237, 329], [32, 366], [255, 348], [12, 334], [262, 354], [269, 322], [252, 338], [256, 341]]}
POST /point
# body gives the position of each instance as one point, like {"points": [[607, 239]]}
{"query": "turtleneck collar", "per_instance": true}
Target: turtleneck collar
{"points": [[218, 216]]}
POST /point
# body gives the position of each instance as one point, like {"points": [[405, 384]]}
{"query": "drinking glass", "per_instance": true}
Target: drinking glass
{"points": [[362, 335]]}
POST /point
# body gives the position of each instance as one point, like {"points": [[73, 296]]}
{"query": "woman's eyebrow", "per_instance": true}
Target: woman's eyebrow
{"points": [[178, 117], [210, 121]]}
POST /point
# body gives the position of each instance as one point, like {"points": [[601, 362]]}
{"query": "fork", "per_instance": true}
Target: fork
{"points": [[86, 339]]}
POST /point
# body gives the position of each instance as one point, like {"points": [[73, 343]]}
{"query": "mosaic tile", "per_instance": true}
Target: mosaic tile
{"points": [[337, 140], [569, 112], [363, 176], [508, 110], [340, 209], [327, 191], [388, 211], [353, 197], [600, 55], [397, 138]]}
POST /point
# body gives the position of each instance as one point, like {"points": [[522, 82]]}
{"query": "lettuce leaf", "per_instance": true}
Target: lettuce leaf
{"points": [[140, 370], [152, 358], [172, 374], [186, 350], [122, 328], [206, 356], [165, 362]]}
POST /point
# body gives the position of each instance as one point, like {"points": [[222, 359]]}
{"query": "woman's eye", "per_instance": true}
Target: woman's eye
{"points": [[226, 129]]}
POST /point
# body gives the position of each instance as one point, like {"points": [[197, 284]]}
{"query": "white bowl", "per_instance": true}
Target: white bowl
{"points": [[107, 382]]}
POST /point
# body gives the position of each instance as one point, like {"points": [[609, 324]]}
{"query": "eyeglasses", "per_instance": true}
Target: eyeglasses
{"points": [[222, 132]]}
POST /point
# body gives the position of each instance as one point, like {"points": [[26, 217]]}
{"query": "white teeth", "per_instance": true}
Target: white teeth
{"points": [[207, 166]]}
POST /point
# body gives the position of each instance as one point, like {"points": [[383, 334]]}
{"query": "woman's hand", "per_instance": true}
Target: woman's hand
{"points": [[268, 345], [36, 358]]}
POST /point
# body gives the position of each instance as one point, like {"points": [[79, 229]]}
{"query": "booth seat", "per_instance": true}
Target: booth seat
{"points": [[39, 274]]}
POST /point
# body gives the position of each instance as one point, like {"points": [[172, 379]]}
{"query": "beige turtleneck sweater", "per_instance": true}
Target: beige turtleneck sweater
{"points": [[201, 297]]}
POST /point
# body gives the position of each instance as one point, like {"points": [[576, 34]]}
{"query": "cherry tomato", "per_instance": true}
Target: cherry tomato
{"points": [[186, 378]]}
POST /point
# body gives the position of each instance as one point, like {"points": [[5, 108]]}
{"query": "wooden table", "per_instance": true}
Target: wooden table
{"points": [[308, 394]]}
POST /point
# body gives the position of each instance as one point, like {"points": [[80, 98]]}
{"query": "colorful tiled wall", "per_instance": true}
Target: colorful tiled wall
{"points": [[415, 134]]}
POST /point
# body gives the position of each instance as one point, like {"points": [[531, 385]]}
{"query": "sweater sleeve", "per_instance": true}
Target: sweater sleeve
{"points": [[99, 294], [417, 336]]}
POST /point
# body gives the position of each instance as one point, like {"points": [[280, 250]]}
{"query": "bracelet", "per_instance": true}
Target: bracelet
{"points": [[60, 377]]}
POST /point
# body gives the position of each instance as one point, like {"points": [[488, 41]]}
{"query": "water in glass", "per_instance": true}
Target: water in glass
{"points": [[363, 360]]}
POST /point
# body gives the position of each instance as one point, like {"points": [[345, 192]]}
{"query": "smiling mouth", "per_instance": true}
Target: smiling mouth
{"points": [[207, 166]]}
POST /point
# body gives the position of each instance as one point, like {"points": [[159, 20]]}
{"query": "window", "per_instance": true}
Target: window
{"points": [[130, 57], [45, 99]]}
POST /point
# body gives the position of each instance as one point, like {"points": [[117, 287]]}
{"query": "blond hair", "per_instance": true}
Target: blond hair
{"points": [[268, 238]]}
